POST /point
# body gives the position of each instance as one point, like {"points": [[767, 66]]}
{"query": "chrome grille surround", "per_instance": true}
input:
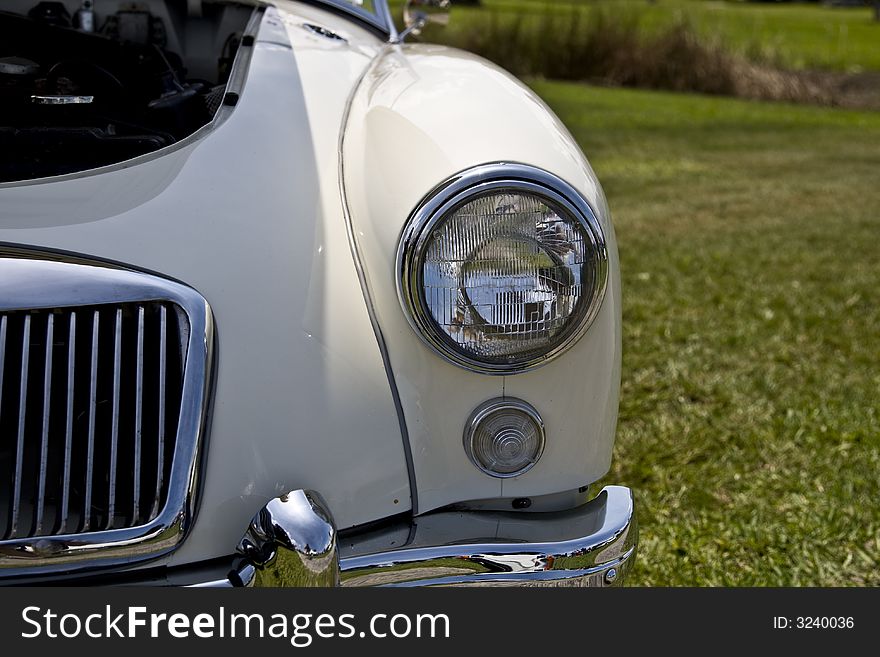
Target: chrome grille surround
{"points": [[47, 286]]}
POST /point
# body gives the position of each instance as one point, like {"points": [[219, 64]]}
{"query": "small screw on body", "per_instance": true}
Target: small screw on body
{"points": [[610, 575]]}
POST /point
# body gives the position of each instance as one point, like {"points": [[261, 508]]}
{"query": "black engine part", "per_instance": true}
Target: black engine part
{"points": [[71, 100]]}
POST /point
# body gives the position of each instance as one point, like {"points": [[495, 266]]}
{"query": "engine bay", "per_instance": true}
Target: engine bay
{"points": [[88, 83]]}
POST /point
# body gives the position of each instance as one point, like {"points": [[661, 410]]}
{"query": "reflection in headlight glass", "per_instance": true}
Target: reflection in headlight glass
{"points": [[505, 274]]}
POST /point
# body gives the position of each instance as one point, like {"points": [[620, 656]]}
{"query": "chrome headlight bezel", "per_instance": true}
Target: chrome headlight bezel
{"points": [[452, 194]]}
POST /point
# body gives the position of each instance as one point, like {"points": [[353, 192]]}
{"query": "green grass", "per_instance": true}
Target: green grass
{"points": [[749, 418], [801, 36]]}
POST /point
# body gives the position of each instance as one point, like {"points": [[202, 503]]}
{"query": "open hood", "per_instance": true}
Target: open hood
{"points": [[85, 84]]}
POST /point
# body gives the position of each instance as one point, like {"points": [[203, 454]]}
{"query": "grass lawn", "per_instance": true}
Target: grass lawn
{"points": [[749, 238], [803, 36]]}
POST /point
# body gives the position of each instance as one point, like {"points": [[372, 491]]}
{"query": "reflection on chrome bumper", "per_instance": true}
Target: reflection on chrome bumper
{"points": [[292, 542]]}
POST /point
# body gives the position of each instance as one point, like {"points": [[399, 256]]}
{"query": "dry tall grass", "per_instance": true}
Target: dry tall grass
{"points": [[603, 47]]}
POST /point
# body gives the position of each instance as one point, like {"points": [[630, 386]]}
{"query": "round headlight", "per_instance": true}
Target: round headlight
{"points": [[502, 268]]}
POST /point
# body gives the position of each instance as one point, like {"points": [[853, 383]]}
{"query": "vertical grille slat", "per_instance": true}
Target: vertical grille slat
{"points": [[68, 423], [114, 427], [22, 414], [93, 412], [138, 414], [44, 437], [90, 401], [2, 355], [160, 438], [3, 321]]}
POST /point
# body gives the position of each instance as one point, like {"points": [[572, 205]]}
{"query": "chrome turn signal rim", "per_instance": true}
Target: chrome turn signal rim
{"points": [[518, 433], [524, 182]]}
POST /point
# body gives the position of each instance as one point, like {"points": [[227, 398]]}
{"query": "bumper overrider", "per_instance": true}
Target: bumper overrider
{"points": [[292, 541]]}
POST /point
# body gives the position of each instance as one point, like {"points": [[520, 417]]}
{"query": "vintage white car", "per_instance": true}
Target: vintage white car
{"points": [[286, 300]]}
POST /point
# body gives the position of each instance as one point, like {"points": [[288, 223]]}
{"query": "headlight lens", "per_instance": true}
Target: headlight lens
{"points": [[501, 275]]}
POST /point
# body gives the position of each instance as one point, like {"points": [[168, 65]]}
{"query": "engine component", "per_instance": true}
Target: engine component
{"points": [[84, 19], [18, 66], [51, 13], [136, 25], [75, 97]]}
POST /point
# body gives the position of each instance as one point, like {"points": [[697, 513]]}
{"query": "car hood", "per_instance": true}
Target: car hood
{"points": [[248, 212]]}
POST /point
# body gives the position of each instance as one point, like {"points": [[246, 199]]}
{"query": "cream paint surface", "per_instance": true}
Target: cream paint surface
{"points": [[301, 398], [423, 114], [251, 217]]}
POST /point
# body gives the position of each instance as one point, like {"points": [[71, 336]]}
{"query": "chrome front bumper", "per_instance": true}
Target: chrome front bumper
{"points": [[292, 541]]}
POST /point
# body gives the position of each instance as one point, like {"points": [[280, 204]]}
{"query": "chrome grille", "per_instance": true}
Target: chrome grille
{"points": [[104, 382], [89, 402]]}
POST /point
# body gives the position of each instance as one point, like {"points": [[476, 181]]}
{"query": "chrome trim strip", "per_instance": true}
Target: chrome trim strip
{"points": [[62, 100], [290, 542], [3, 321], [93, 411], [381, 19], [22, 407], [454, 192], [163, 369], [384, 12], [354, 246], [44, 437], [2, 354], [114, 427], [485, 409], [139, 416], [68, 425], [32, 281]]}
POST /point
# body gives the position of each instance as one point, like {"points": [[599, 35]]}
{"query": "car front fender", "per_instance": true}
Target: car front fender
{"points": [[421, 114]]}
